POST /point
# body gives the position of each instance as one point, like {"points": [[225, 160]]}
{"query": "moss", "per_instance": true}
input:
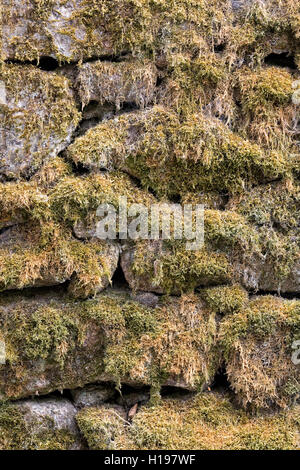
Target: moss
{"points": [[210, 422], [225, 299], [77, 198], [173, 269], [274, 209], [103, 428], [117, 83], [267, 109], [192, 83], [46, 255], [205, 422], [167, 265], [158, 344], [92, 29], [17, 433], [130, 342], [45, 95], [174, 158], [257, 344]]}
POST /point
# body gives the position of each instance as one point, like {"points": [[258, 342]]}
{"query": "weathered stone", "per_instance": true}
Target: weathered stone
{"points": [[41, 423], [93, 395], [53, 343], [26, 264], [172, 156], [38, 116], [146, 298], [70, 30]]}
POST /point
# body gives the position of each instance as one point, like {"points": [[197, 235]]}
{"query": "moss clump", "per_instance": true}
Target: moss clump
{"points": [[211, 422], [199, 154], [103, 428], [190, 83], [175, 341], [274, 209], [77, 198], [45, 255], [205, 422], [40, 113], [90, 29], [225, 299], [112, 335], [267, 108], [168, 266], [257, 344], [19, 433]]}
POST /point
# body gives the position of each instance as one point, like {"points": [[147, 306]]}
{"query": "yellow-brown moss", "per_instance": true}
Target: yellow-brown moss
{"points": [[173, 158], [257, 344], [205, 422]]}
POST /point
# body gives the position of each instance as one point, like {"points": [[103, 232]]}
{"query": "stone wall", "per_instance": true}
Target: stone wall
{"points": [[161, 102]]}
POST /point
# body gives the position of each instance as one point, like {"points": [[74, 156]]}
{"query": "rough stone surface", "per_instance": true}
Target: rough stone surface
{"points": [[35, 268], [39, 424], [55, 413], [38, 117], [72, 344], [160, 103], [92, 395]]}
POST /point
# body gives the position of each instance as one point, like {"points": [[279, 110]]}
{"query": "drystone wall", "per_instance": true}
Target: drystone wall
{"points": [[143, 344]]}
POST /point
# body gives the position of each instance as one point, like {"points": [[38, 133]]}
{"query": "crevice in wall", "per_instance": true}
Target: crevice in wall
{"points": [[118, 280], [50, 64], [220, 382], [46, 63], [282, 295], [284, 59]]}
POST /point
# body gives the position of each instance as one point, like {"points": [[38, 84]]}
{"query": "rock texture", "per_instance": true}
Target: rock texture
{"points": [[40, 424], [38, 117]]}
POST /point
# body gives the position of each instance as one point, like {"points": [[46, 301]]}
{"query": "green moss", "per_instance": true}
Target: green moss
{"points": [[265, 88], [77, 198], [168, 265], [132, 343], [199, 154], [274, 209], [257, 344], [17, 433], [205, 422], [225, 299], [117, 83], [210, 422], [103, 428], [47, 95], [47, 255]]}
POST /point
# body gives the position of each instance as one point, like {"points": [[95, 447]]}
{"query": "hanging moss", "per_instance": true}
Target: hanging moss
{"points": [[257, 343], [174, 158]]}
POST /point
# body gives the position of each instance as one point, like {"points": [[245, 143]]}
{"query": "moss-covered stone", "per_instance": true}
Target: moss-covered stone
{"points": [[55, 343], [117, 83], [40, 424], [274, 210], [257, 344], [174, 157], [34, 255], [205, 422], [38, 115]]}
